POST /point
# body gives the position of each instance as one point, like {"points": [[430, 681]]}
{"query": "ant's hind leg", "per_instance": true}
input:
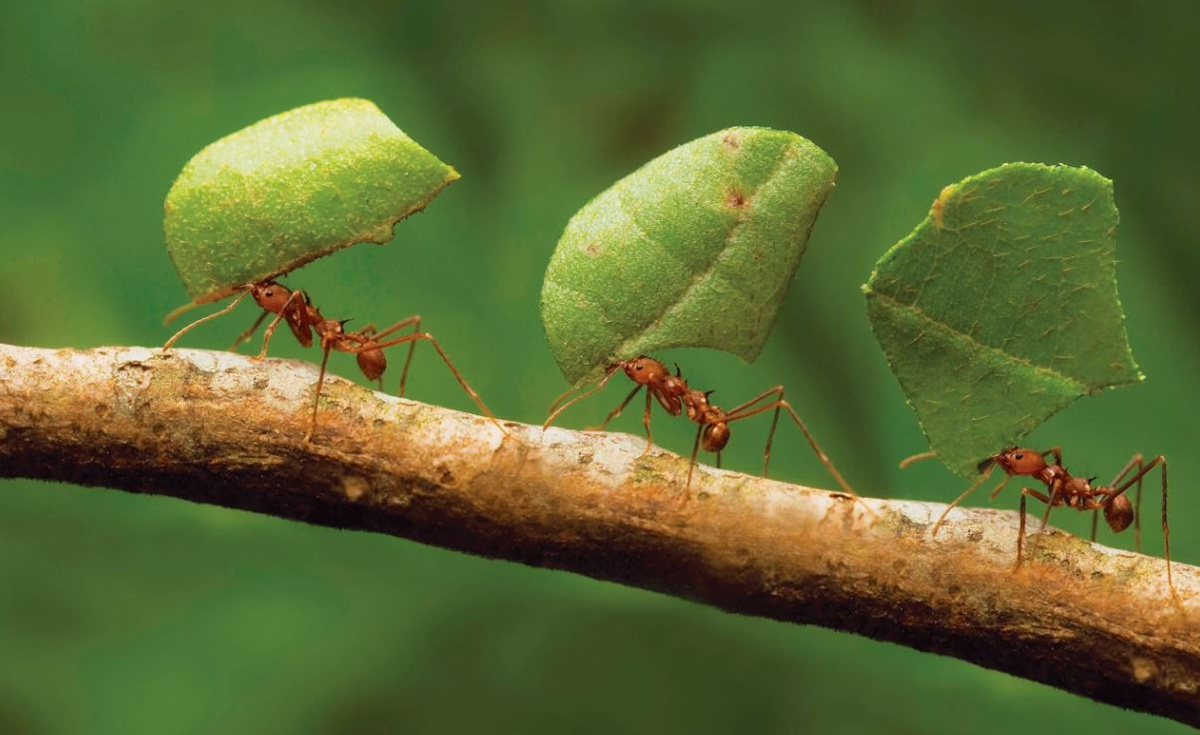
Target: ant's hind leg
{"points": [[415, 322], [745, 411], [487, 412]]}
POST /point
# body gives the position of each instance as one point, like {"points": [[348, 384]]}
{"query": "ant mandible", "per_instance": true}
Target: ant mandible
{"points": [[1074, 492], [304, 319], [675, 396]]}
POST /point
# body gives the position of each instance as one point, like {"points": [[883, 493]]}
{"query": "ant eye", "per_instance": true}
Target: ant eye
{"points": [[638, 366], [1018, 455], [268, 293]]}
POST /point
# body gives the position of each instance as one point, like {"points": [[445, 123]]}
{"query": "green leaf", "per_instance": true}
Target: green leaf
{"points": [[1001, 307], [292, 188], [695, 249]]}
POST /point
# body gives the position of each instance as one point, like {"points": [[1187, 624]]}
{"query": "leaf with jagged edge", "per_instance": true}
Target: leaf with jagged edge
{"points": [[695, 249], [292, 188], [1001, 308]]}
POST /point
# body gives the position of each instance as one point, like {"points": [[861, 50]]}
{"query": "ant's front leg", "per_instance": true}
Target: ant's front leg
{"points": [[617, 411], [1057, 452], [1027, 492], [566, 400], [295, 297], [175, 337], [246, 335]]}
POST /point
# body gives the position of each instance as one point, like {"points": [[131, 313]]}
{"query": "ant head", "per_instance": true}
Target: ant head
{"points": [[270, 295], [1019, 461], [1119, 513], [715, 436], [644, 370]]}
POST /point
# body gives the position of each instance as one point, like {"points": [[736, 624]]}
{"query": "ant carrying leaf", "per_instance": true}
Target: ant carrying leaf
{"points": [[678, 398], [304, 319], [1069, 491]]}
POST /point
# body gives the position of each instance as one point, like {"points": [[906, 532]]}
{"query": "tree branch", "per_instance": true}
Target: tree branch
{"points": [[215, 427]]}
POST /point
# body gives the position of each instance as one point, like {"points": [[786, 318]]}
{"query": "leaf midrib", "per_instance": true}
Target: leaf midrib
{"points": [[708, 271], [1079, 386]]}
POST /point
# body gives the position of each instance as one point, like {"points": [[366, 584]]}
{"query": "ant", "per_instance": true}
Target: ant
{"points": [[366, 344], [674, 394], [1073, 492]]}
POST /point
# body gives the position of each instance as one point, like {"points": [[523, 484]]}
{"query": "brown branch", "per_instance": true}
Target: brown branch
{"points": [[217, 428]]}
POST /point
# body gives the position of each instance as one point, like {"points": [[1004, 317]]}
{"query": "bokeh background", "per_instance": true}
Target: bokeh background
{"points": [[124, 614]]}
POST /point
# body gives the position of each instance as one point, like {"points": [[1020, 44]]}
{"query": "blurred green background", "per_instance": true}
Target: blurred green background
{"points": [[124, 614]]}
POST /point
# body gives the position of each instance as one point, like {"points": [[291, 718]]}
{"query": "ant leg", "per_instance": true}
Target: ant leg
{"points": [[262, 354], [996, 490], [1137, 515], [246, 335], [312, 427], [617, 411], [771, 437], [1026, 492], [692, 463], [175, 313], [745, 411], [1057, 452], [1135, 461], [1167, 530], [449, 364], [910, 461], [718, 460], [175, 337], [1142, 470], [984, 478], [1055, 495], [646, 423], [562, 404], [415, 321]]}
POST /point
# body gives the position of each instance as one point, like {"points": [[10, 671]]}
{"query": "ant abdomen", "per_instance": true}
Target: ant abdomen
{"points": [[1118, 512], [372, 363], [715, 437]]}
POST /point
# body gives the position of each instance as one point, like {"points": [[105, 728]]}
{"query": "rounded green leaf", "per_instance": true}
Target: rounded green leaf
{"points": [[1001, 307], [695, 249], [292, 188]]}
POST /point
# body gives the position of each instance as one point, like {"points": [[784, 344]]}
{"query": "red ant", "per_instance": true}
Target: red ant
{"points": [[674, 394], [303, 319], [1074, 492]]}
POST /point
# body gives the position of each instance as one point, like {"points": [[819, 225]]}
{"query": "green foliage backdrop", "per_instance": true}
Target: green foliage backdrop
{"points": [[122, 614]]}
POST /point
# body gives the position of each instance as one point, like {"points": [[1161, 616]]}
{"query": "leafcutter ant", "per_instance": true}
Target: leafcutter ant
{"points": [[366, 344], [675, 396], [1074, 492]]}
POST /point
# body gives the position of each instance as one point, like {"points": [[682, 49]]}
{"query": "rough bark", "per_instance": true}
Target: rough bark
{"points": [[218, 428]]}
